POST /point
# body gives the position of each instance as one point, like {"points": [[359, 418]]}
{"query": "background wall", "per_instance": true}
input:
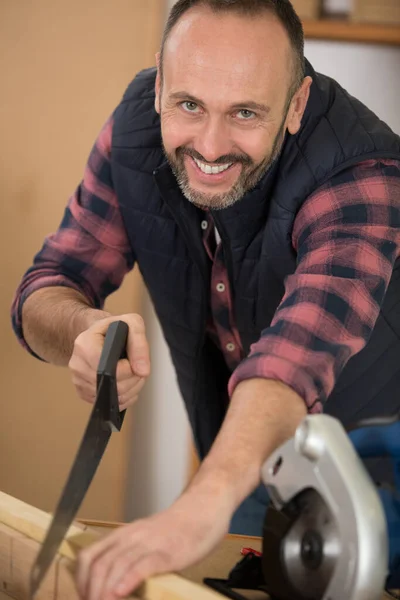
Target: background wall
{"points": [[368, 71], [64, 67]]}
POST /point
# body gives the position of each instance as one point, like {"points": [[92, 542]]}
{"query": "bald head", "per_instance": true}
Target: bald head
{"points": [[249, 53], [279, 14]]}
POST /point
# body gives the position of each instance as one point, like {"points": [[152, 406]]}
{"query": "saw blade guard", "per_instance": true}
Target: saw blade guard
{"points": [[338, 539]]}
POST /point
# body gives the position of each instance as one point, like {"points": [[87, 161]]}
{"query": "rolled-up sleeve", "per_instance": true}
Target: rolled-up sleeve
{"points": [[347, 239], [90, 251]]}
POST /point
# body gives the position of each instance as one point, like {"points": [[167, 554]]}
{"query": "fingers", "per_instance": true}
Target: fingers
{"points": [[130, 396], [112, 568], [121, 565], [115, 570], [124, 370], [137, 346], [169, 541], [131, 372], [85, 394], [128, 390], [135, 572], [129, 387], [82, 365], [99, 575], [86, 566]]}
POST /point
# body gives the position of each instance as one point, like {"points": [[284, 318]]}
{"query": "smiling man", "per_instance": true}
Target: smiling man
{"points": [[260, 201], [223, 123]]}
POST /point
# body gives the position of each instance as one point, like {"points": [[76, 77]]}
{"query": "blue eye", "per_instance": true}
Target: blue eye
{"points": [[246, 115]]}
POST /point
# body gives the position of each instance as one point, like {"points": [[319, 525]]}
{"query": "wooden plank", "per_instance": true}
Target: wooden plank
{"points": [[25, 526], [60, 585], [16, 560], [34, 523], [65, 583], [23, 553], [5, 557], [173, 587], [101, 524]]}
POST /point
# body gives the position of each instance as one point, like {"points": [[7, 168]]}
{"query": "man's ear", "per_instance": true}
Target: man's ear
{"points": [[298, 106], [157, 102]]}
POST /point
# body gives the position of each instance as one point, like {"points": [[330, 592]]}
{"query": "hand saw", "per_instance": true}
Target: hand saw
{"points": [[104, 419]]}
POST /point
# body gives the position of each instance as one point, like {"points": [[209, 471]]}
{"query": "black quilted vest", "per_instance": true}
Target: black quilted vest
{"points": [[166, 237]]}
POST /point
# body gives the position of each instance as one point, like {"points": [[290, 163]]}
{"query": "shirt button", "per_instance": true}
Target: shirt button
{"points": [[204, 224], [220, 287], [230, 347]]}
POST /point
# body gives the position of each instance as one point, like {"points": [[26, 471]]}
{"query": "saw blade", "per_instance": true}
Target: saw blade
{"points": [[311, 547], [104, 419]]}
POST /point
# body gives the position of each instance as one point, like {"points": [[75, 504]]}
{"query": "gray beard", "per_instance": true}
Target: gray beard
{"points": [[247, 180]]}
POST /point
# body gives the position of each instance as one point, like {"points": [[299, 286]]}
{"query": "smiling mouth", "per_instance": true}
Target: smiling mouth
{"points": [[212, 169]]}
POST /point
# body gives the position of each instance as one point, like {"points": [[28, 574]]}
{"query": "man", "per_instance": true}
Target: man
{"points": [[259, 200]]}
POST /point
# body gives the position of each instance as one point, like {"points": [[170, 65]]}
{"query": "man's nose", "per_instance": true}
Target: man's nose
{"points": [[213, 140]]}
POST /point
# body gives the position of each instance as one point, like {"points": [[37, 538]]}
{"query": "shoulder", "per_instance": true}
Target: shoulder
{"points": [[142, 86], [136, 110], [136, 124]]}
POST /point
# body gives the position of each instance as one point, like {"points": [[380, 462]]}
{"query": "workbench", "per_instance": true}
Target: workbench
{"points": [[22, 529]]}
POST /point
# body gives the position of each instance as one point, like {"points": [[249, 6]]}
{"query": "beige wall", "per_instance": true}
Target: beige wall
{"points": [[63, 68]]}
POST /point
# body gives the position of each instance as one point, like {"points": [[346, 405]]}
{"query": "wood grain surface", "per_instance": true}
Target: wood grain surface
{"points": [[22, 530]]}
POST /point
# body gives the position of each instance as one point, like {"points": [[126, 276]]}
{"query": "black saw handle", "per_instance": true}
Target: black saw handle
{"points": [[107, 396]]}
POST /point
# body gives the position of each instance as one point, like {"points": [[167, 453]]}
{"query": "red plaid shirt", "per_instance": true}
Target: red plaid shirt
{"points": [[91, 253]]}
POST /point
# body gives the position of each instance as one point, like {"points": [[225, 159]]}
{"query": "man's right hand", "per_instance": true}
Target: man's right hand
{"points": [[131, 372]]}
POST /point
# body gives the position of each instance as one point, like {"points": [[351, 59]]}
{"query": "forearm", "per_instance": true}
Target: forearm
{"points": [[262, 415], [52, 318]]}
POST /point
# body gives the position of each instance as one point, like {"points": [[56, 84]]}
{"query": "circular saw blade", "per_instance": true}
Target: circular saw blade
{"points": [[311, 547]]}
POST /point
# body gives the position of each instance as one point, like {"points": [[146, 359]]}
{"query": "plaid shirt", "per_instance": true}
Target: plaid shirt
{"points": [[346, 237]]}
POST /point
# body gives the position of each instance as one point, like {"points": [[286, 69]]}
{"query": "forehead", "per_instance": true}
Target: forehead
{"points": [[228, 54]]}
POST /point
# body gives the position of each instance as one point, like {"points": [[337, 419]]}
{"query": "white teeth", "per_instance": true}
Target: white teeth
{"points": [[211, 170]]}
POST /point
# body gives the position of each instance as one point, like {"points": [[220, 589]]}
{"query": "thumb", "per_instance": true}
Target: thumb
{"points": [[137, 346]]}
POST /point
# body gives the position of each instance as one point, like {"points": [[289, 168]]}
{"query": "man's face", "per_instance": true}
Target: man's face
{"points": [[222, 102]]}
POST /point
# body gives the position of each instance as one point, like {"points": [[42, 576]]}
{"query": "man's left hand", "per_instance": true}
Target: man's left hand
{"points": [[169, 541], [262, 415]]}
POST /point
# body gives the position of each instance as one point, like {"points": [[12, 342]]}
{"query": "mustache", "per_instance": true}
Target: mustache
{"points": [[222, 160]]}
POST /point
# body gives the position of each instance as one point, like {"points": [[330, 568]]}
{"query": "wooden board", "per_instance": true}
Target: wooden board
{"points": [[22, 529]]}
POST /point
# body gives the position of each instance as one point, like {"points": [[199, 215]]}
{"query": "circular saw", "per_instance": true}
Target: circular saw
{"points": [[330, 532]]}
